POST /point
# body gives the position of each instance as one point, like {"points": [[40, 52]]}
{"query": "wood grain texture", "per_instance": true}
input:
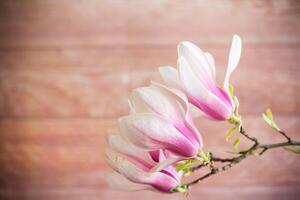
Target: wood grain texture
{"points": [[55, 153], [91, 92], [145, 56], [77, 23], [207, 193], [67, 68]]}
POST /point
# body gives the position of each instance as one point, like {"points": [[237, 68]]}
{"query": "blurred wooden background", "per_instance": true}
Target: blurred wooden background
{"points": [[67, 67]]}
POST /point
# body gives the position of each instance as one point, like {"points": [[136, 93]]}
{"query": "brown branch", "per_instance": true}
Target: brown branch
{"points": [[243, 132], [223, 160], [243, 155], [200, 179], [282, 144], [263, 151], [285, 135], [197, 167]]}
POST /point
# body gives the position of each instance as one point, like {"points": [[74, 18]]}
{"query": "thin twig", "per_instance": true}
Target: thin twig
{"points": [[200, 179], [285, 135], [223, 160], [243, 132], [282, 144], [197, 167], [263, 151], [235, 160]]}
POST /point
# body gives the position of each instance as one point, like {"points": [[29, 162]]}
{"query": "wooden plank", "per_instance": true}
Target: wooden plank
{"points": [[146, 56], [52, 153], [91, 23], [58, 154], [208, 193], [92, 92], [67, 67]]}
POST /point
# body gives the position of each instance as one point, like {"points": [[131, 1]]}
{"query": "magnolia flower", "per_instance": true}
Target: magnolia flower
{"points": [[160, 119], [196, 77], [134, 168]]}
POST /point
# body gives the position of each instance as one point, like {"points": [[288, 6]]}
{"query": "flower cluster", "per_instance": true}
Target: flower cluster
{"points": [[159, 131]]}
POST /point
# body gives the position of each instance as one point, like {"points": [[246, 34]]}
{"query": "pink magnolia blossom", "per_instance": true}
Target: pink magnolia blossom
{"points": [[196, 77], [134, 167], [160, 119]]}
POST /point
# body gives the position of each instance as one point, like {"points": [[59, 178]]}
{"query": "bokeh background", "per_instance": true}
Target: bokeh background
{"points": [[67, 68]]}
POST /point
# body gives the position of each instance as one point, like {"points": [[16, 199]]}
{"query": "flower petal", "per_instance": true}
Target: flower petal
{"points": [[168, 103], [170, 76], [213, 107], [234, 57], [152, 132], [167, 162], [158, 180], [165, 165], [154, 155], [143, 159], [131, 107], [198, 62], [186, 126], [136, 155], [211, 62], [196, 112], [191, 83], [199, 96], [157, 100], [163, 182]]}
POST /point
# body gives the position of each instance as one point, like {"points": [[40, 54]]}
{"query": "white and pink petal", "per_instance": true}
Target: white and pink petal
{"points": [[170, 76], [153, 132], [160, 181], [157, 100], [234, 57], [198, 62]]}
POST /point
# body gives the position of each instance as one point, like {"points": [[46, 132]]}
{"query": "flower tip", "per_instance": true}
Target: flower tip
{"points": [[161, 68], [134, 93], [183, 44], [122, 120], [236, 39]]}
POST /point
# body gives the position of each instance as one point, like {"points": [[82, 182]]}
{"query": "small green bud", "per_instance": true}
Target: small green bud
{"points": [[268, 118], [230, 132], [180, 188], [235, 120], [185, 165], [230, 89], [205, 157], [236, 143], [295, 149], [187, 172]]}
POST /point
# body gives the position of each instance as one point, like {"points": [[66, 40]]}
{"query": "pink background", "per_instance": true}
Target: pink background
{"points": [[67, 67]]}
